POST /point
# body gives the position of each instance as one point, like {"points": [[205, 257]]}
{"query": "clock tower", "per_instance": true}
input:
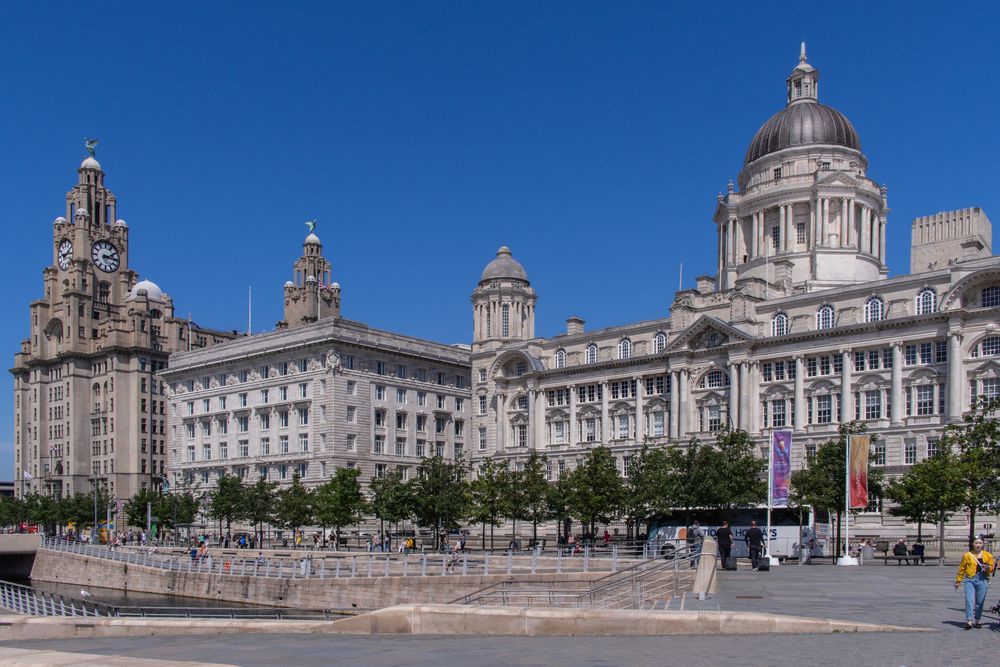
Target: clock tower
{"points": [[88, 407]]}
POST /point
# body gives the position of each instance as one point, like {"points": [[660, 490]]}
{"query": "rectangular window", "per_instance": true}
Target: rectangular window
{"points": [[767, 372], [303, 416], [824, 365], [520, 435], [223, 450], [657, 424], [400, 446], [926, 353], [714, 419], [401, 371], [482, 405], [283, 368], [352, 442], [283, 419], [283, 444], [401, 396], [879, 450], [378, 446], [941, 351], [838, 363], [775, 238], [887, 358], [352, 388], [873, 360], [623, 426], [380, 418], [440, 424], [282, 393], [442, 401], [421, 448], [244, 449], [241, 399], [873, 404], [910, 451], [303, 389], [991, 296], [925, 400], [910, 355], [933, 447], [778, 412], [777, 175], [811, 367], [800, 232], [590, 429], [558, 433], [263, 396], [352, 414], [824, 409], [303, 442], [242, 424], [379, 392], [380, 368], [482, 439], [401, 421], [459, 427]]}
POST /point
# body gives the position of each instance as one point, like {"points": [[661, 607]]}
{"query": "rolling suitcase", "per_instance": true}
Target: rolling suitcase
{"points": [[764, 564], [729, 563]]}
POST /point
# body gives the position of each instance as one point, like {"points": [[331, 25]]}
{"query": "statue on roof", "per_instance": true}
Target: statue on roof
{"points": [[91, 145], [311, 224]]}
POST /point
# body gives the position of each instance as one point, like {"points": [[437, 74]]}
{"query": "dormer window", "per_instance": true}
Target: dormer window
{"points": [[798, 89], [777, 173]]}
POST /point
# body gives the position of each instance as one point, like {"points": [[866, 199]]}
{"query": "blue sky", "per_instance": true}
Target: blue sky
{"points": [[591, 138]]}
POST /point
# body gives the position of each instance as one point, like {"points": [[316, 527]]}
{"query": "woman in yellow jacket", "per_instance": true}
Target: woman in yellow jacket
{"points": [[976, 568]]}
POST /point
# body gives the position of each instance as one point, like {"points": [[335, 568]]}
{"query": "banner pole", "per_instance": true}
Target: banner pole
{"points": [[770, 487], [847, 498]]}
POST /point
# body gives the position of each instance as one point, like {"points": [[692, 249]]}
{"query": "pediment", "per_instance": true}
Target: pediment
{"points": [[838, 178], [707, 333]]}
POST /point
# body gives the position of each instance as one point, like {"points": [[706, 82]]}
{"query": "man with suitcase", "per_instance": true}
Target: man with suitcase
{"points": [[724, 537], [755, 542]]}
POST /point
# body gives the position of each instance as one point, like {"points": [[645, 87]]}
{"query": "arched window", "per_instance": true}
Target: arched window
{"points": [[624, 348], [560, 358], [926, 301], [505, 321], [824, 317], [591, 354], [779, 325], [714, 379], [874, 309], [990, 347], [659, 342]]}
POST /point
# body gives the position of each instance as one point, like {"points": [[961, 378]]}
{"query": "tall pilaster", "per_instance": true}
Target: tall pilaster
{"points": [[574, 427], [734, 394], [846, 390], [800, 398], [640, 424], [896, 413], [956, 377], [605, 426], [685, 405], [675, 393]]}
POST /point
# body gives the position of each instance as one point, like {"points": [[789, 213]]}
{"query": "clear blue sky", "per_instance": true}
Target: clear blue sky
{"points": [[591, 138]]}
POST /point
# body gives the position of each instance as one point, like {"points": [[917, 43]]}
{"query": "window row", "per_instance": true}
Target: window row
{"points": [[242, 449], [421, 421], [402, 397], [264, 397], [420, 374], [221, 426]]}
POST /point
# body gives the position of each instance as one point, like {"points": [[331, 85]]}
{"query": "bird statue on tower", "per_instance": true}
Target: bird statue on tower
{"points": [[91, 145]]}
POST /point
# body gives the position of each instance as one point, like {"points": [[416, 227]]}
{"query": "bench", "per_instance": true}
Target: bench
{"points": [[908, 558]]}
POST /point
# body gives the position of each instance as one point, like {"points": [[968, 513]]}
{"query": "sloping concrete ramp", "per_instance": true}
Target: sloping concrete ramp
{"points": [[526, 621], [21, 657]]}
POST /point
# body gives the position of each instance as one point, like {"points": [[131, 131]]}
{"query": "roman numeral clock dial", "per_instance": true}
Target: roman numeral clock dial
{"points": [[105, 256], [65, 254]]}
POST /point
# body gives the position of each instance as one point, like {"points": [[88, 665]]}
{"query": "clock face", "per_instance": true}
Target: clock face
{"points": [[65, 254], [105, 256]]}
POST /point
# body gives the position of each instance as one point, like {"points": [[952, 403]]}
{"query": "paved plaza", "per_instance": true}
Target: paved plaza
{"points": [[915, 596]]}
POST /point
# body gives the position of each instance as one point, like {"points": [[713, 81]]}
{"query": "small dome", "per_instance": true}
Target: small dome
{"points": [[121, 223], [312, 238], [82, 213], [59, 221], [152, 290], [289, 283], [504, 266], [335, 286], [90, 163], [310, 279]]}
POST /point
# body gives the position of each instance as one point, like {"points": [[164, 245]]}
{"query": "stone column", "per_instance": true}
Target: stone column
{"points": [[800, 395], [812, 238], [640, 425], [501, 421], [881, 240], [532, 418], [761, 233], [956, 376], [675, 393], [846, 393], [755, 230], [753, 398], [574, 431], [540, 424], [722, 255], [825, 215], [865, 231], [783, 245], [745, 396], [685, 406], [605, 433], [852, 235], [843, 222], [896, 413], [734, 394], [790, 220]]}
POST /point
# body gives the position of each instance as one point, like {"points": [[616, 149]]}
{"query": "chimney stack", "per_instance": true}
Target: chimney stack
{"points": [[574, 325]]}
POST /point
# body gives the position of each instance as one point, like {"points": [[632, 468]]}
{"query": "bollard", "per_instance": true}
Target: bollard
{"points": [[534, 560], [423, 565], [444, 558], [558, 561], [510, 560], [267, 567], [370, 559], [354, 566], [322, 568], [337, 569], [614, 560], [465, 563], [586, 559], [486, 564], [406, 563], [387, 565]]}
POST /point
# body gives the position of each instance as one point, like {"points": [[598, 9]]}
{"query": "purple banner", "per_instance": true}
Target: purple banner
{"points": [[781, 467]]}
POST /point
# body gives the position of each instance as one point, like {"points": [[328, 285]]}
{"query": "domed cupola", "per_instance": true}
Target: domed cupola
{"points": [[803, 121], [504, 302]]}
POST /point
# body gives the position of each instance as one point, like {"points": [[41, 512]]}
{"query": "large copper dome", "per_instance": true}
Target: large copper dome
{"points": [[802, 123]]}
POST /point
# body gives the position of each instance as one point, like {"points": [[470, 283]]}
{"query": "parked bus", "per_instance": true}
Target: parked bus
{"points": [[668, 532]]}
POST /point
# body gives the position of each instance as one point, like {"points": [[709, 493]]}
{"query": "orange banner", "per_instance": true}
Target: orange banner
{"points": [[857, 457]]}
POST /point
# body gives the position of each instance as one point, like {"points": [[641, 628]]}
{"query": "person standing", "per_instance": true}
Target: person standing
{"points": [[724, 537], [975, 570], [806, 544], [695, 539], [755, 542]]}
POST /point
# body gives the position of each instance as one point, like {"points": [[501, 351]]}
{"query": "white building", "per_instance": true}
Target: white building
{"points": [[799, 328]]}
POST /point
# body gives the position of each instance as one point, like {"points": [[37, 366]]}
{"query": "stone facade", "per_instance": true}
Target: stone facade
{"points": [[88, 407], [799, 329], [313, 396]]}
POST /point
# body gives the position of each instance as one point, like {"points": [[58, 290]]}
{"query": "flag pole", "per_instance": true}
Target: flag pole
{"points": [[847, 503], [250, 310], [770, 486]]}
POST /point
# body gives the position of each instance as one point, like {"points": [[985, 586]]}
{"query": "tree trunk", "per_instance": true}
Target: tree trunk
{"points": [[972, 525], [513, 530], [493, 521], [920, 526], [534, 532], [839, 524], [484, 536]]}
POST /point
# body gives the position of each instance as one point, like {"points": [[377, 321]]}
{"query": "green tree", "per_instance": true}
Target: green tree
{"points": [[740, 474], [261, 498], [293, 508], [929, 491], [691, 482], [535, 492], [515, 502], [390, 499], [339, 502], [822, 483], [135, 508], [227, 501], [176, 508], [440, 494], [648, 487], [558, 503], [487, 495], [597, 489], [977, 442]]}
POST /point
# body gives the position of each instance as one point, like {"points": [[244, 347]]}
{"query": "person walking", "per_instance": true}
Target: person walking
{"points": [[755, 542], [695, 539], [975, 570], [806, 544], [724, 538]]}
